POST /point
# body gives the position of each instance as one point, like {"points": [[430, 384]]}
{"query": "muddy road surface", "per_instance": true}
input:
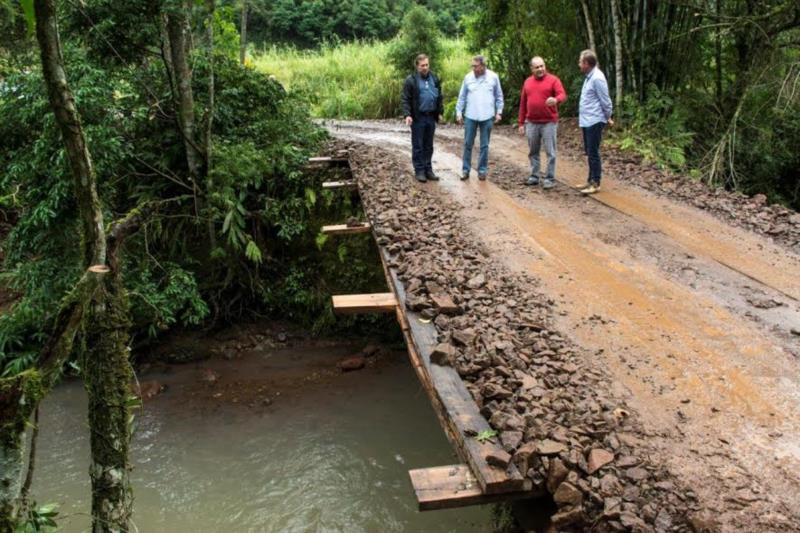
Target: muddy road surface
{"points": [[696, 320]]}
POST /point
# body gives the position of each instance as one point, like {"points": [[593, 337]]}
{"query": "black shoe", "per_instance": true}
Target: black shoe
{"points": [[482, 177], [431, 176], [464, 176], [420, 177]]}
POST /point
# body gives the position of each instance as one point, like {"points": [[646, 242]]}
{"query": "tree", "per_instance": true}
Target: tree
{"points": [[107, 370], [418, 35]]}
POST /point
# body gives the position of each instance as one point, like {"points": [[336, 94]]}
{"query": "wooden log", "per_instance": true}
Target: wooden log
{"points": [[454, 406], [445, 487], [344, 229], [382, 302], [344, 184]]}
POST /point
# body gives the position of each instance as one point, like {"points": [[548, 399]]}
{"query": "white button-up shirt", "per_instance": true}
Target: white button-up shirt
{"points": [[480, 98]]}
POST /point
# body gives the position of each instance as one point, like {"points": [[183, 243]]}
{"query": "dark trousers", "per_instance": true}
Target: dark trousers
{"points": [[422, 130], [591, 145]]}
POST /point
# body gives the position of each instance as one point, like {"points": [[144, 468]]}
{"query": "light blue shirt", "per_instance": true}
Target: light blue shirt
{"points": [[595, 105], [480, 98]]}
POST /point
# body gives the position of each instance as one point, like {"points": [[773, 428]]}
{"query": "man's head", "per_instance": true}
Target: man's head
{"points": [[423, 64], [479, 65], [538, 67], [587, 61]]}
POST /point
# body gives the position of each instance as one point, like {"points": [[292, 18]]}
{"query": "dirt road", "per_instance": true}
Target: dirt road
{"points": [[697, 321]]}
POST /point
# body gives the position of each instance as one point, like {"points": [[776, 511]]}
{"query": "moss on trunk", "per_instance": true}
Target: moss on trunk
{"points": [[107, 378], [19, 396]]}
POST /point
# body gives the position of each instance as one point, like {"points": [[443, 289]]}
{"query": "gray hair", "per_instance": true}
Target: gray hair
{"points": [[589, 57], [480, 59], [534, 58]]}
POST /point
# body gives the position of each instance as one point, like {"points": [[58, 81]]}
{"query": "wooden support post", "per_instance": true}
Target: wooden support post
{"points": [[344, 229], [383, 302], [329, 161], [345, 184], [444, 487]]}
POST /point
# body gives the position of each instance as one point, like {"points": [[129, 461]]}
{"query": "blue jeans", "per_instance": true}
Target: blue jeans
{"points": [[470, 128], [591, 144], [422, 130]]}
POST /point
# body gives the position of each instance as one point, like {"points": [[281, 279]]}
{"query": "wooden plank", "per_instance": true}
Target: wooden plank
{"points": [[329, 161], [445, 487], [344, 229], [452, 402], [382, 302], [344, 184]]}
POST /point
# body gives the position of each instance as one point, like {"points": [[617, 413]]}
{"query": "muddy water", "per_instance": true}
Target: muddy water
{"points": [[330, 452]]}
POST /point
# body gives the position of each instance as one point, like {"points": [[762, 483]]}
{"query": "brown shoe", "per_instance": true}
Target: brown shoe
{"points": [[482, 177]]}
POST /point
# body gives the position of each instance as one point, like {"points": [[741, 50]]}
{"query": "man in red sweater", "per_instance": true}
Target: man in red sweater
{"points": [[542, 93]]}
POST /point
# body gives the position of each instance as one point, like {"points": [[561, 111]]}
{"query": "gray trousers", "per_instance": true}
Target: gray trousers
{"points": [[537, 134]]}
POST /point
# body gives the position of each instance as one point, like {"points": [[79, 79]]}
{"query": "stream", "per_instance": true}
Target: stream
{"points": [[278, 440]]}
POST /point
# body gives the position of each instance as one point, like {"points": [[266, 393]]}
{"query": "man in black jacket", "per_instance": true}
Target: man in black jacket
{"points": [[422, 106]]}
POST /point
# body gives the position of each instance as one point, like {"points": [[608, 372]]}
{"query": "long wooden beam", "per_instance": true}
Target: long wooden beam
{"points": [[454, 406], [382, 302], [344, 229], [445, 487]]}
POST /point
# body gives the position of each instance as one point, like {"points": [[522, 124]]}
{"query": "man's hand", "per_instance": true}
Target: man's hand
{"points": [[409, 121], [610, 122], [441, 118], [459, 119], [498, 117], [551, 102], [522, 130]]}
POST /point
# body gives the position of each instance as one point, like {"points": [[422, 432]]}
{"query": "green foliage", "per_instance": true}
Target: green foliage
{"points": [[486, 435], [656, 130], [514, 32], [311, 24], [195, 258], [418, 35], [38, 519], [353, 80]]}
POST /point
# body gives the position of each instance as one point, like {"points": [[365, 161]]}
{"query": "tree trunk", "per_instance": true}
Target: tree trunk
{"points": [[63, 104], [107, 376], [243, 33], [177, 31], [19, 397], [107, 371], [718, 56], [617, 52], [589, 29]]}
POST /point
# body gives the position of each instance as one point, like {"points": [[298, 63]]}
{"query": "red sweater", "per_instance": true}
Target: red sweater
{"points": [[534, 93]]}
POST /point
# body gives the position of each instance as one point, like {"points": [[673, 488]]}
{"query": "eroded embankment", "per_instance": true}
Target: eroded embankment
{"points": [[556, 411]]}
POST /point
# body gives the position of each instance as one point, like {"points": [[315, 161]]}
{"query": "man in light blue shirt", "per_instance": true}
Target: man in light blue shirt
{"points": [[594, 112], [480, 104]]}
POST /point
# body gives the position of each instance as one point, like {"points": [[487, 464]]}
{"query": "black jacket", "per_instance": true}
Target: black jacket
{"points": [[409, 98]]}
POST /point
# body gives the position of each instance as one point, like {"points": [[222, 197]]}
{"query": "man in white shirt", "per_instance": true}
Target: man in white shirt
{"points": [[480, 104]]}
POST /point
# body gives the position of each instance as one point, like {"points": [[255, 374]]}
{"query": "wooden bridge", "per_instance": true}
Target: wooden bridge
{"points": [[486, 473]]}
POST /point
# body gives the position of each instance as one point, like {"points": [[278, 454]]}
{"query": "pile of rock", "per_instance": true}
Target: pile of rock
{"points": [[550, 404]]}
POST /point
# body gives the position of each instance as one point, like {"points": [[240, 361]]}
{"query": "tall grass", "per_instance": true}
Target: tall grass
{"points": [[354, 80]]}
